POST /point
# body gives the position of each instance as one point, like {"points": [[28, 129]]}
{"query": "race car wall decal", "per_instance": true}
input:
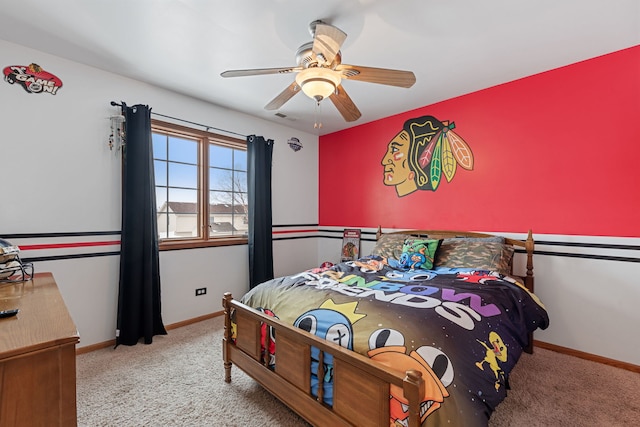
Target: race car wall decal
{"points": [[32, 78]]}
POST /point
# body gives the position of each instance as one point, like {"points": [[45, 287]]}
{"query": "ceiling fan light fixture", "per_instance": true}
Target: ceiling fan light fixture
{"points": [[318, 83]]}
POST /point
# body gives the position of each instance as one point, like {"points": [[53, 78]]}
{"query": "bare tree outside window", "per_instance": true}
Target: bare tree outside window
{"points": [[228, 209]]}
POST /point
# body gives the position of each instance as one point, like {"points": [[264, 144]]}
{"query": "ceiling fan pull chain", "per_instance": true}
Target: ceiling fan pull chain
{"points": [[318, 113]]}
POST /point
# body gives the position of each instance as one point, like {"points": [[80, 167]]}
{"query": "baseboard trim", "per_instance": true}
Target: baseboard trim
{"points": [[587, 356], [112, 343], [194, 320]]}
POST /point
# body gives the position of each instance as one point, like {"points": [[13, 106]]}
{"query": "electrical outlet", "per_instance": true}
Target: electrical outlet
{"points": [[201, 291]]}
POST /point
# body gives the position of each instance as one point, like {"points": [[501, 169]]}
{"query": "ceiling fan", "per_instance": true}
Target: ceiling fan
{"points": [[320, 72]]}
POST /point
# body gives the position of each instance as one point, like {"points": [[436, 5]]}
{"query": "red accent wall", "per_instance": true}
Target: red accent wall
{"points": [[557, 152]]}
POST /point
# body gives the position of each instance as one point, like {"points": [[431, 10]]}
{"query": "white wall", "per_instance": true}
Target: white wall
{"points": [[592, 303], [59, 177]]}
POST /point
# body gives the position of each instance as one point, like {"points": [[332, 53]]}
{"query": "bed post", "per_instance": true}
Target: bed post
{"points": [[528, 281], [529, 245], [226, 340], [379, 232], [414, 390]]}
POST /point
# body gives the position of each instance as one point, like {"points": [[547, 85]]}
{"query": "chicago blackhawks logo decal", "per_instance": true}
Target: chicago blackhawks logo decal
{"points": [[422, 152], [32, 78]]}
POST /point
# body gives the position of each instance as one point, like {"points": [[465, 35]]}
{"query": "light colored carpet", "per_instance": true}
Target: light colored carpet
{"points": [[179, 381]]}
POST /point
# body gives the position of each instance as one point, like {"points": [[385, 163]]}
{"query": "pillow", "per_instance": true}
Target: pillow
{"points": [[481, 255], [389, 246], [419, 253]]}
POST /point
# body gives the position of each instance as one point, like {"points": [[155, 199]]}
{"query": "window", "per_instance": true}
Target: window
{"points": [[201, 187]]}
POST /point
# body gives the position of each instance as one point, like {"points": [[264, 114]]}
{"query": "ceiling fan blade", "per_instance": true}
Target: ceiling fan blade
{"points": [[259, 71], [283, 97], [345, 105], [383, 76], [327, 42]]}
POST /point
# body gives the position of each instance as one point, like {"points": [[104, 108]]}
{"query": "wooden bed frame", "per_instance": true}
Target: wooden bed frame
{"points": [[360, 385]]}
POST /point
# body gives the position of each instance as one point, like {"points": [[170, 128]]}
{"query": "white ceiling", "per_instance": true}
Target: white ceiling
{"points": [[453, 46]]}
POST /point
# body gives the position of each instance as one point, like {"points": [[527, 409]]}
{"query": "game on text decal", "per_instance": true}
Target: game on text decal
{"points": [[32, 78]]}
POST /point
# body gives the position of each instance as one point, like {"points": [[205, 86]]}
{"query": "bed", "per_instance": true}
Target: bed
{"points": [[422, 332]]}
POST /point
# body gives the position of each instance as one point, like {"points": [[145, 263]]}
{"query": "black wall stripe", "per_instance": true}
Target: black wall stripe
{"points": [[73, 256], [589, 245], [588, 256], [67, 234], [294, 238]]}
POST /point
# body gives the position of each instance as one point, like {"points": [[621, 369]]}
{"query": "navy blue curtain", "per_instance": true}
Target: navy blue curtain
{"points": [[139, 313], [259, 155]]}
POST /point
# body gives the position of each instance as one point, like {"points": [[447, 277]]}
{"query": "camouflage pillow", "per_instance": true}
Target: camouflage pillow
{"points": [[481, 255], [389, 246]]}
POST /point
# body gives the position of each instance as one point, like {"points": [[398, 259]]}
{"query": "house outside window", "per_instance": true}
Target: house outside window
{"points": [[201, 187]]}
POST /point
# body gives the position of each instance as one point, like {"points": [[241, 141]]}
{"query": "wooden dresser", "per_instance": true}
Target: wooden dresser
{"points": [[37, 356]]}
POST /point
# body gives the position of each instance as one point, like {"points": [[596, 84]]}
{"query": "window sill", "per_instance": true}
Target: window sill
{"points": [[169, 245]]}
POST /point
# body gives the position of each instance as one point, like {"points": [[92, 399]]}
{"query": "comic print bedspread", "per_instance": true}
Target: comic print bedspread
{"points": [[464, 329]]}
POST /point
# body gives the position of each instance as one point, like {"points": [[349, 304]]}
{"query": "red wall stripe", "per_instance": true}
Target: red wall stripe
{"points": [[67, 245], [556, 152], [293, 231]]}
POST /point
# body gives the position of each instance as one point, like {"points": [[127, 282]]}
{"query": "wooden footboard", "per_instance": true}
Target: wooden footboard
{"points": [[361, 386]]}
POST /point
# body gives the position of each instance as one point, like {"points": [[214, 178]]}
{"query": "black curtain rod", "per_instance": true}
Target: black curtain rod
{"points": [[187, 121]]}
